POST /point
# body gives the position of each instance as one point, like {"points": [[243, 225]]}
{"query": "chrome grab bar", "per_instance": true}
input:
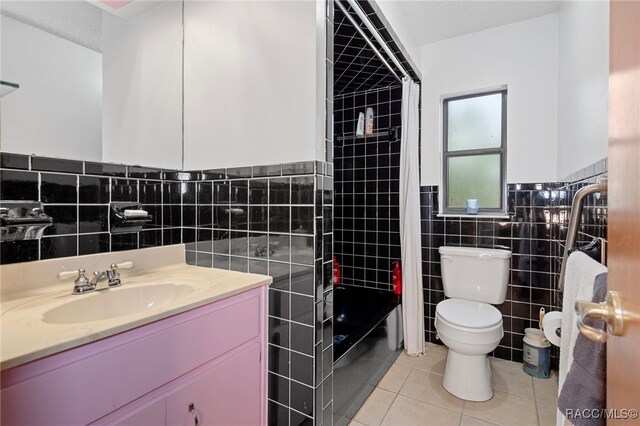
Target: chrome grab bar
{"points": [[574, 222]]}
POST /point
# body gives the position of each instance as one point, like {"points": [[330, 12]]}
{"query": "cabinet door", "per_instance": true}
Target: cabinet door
{"points": [[226, 393], [153, 414]]}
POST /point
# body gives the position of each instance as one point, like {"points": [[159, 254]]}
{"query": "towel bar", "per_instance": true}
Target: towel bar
{"points": [[574, 222]]}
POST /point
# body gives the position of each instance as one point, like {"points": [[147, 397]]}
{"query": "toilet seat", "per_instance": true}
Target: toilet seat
{"points": [[467, 314], [472, 325]]}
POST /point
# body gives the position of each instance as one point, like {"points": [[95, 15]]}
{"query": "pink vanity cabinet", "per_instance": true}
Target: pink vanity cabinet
{"points": [[209, 363]]}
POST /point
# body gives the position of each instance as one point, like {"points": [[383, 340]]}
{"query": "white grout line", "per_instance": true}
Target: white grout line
{"points": [[390, 405]]}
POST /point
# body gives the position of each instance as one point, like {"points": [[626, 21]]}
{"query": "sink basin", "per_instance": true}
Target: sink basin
{"points": [[117, 302]]}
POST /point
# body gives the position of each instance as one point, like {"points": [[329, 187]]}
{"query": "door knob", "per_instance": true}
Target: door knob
{"points": [[610, 311]]}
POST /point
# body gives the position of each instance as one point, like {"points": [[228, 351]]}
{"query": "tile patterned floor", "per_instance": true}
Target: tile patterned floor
{"points": [[411, 393]]}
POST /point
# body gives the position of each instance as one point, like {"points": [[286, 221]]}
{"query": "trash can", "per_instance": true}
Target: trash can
{"points": [[536, 357]]}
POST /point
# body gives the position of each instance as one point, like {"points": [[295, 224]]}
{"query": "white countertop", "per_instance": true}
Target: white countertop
{"points": [[25, 336]]}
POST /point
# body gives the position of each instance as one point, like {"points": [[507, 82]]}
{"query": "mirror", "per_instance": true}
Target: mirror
{"points": [[93, 80]]}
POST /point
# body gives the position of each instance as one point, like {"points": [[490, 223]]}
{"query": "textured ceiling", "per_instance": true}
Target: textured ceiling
{"points": [[79, 21], [431, 21], [130, 10], [76, 21]]}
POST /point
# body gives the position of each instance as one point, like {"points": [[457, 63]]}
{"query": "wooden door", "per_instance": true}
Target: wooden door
{"points": [[623, 352]]}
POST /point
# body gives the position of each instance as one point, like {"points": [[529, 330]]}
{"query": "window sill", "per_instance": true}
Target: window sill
{"points": [[475, 216]]}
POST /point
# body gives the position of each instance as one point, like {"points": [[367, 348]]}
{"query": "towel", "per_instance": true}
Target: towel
{"points": [[581, 274], [585, 385]]}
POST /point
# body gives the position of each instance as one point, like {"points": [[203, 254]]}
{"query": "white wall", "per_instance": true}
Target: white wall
{"points": [[250, 83], [142, 86], [523, 56], [57, 109], [583, 84]]}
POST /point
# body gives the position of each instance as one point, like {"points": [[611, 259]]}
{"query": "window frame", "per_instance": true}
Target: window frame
{"points": [[501, 150]]}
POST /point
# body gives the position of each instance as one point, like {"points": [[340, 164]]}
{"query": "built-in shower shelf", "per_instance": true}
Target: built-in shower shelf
{"points": [[391, 132], [7, 87]]}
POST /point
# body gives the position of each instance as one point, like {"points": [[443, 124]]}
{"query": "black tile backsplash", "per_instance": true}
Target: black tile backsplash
{"points": [[79, 205], [271, 170], [105, 169], [56, 165], [92, 218], [93, 190], [14, 161], [19, 251], [126, 241], [58, 188], [124, 189], [65, 220], [535, 231], [239, 172], [94, 243], [144, 173], [19, 185], [63, 246]]}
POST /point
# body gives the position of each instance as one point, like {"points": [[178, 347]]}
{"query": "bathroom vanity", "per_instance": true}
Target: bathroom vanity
{"points": [[196, 355]]}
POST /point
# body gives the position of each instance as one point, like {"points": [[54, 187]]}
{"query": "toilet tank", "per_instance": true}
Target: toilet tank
{"points": [[475, 274]]}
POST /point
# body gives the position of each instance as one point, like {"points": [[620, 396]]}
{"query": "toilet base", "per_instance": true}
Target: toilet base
{"points": [[468, 376]]}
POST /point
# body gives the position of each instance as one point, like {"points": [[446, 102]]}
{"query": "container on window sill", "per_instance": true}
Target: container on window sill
{"points": [[472, 206]]}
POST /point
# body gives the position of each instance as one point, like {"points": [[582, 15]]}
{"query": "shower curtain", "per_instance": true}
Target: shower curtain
{"points": [[410, 241]]}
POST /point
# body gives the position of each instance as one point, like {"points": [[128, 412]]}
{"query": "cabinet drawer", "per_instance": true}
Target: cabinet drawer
{"points": [[88, 382]]}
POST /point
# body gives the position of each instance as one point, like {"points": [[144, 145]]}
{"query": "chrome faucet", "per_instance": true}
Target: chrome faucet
{"points": [[83, 285], [111, 274]]}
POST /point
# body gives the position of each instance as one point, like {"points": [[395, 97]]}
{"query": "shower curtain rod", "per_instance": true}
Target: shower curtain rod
{"points": [[377, 36], [369, 42]]}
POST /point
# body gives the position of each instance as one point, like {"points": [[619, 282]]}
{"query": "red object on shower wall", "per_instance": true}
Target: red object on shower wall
{"points": [[396, 278], [336, 271]]}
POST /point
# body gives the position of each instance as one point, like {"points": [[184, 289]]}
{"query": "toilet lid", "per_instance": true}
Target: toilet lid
{"points": [[467, 313]]}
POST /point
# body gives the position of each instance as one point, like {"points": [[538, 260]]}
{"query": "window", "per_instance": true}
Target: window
{"points": [[475, 140]]}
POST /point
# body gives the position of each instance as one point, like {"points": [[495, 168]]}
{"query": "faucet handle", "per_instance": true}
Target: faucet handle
{"points": [[69, 274], [114, 275], [123, 265], [82, 284]]}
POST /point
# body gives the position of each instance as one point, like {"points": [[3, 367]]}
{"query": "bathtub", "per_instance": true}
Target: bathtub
{"points": [[367, 338]]}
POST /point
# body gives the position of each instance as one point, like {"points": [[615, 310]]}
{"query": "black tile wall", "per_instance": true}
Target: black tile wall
{"points": [[77, 195], [14, 161], [367, 171], [269, 220], [272, 219], [357, 67], [535, 231]]}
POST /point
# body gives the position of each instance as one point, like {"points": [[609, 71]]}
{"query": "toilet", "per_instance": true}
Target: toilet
{"points": [[474, 279]]}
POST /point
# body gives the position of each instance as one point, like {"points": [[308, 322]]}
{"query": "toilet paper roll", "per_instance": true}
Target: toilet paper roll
{"points": [[552, 321]]}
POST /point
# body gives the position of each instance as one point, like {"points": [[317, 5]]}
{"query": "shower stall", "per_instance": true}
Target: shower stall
{"points": [[367, 333]]}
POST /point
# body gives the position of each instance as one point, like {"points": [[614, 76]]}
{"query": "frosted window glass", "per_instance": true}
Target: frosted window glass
{"points": [[475, 123], [476, 176]]}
